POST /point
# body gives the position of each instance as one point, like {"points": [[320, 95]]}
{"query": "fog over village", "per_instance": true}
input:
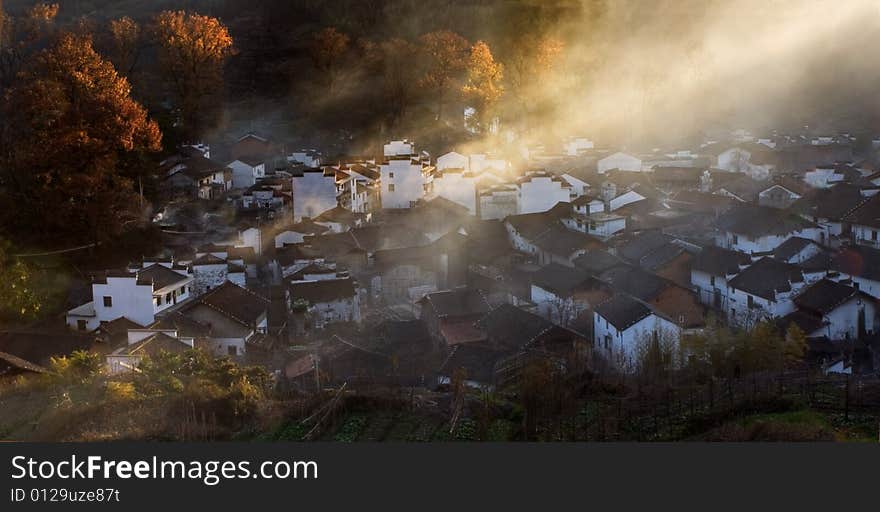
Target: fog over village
{"points": [[439, 220]]}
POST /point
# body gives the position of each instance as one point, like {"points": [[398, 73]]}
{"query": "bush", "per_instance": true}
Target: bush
{"points": [[120, 391]]}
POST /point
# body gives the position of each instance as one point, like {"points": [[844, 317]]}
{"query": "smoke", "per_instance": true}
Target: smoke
{"points": [[640, 72]]}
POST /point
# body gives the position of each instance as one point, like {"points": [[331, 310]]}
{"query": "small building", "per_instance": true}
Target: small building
{"points": [[763, 291], [624, 328], [246, 170], [711, 269], [314, 192], [327, 301], [621, 161], [232, 318], [538, 191], [759, 229], [844, 312], [138, 295]]}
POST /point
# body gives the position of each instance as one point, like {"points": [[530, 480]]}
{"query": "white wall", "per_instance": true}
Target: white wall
{"points": [[621, 161], [541, 193], [129, 299], [407, 181], [244, 175], [843, 321], [498, 204], [457, 187], [623, 345], [453, 160], [749, 245], [313, 194]]}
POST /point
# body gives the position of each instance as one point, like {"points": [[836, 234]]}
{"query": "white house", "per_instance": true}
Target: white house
{"points": [[538, 191], [623, 327], [823, 177], [711, 269], [842, 312], [308, 157], [314, 192], [145, 343], [453, 160], [619, 160], [759, 229], [599, 224], [246, 171], [860, 266], [576, 145], [136, 295], [210, 272], [398, 148], [481, 162], [327, 301], [587, 205], [458, 186], [498, 201], [403, 182], [236, 317], [764, 290]]}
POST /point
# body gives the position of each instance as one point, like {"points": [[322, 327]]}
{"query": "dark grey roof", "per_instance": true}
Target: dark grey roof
{"points": [[791, 247], [642, 244], [325, 290], [160, 275], [824, 296], [757, 221], [458, 302], [622, 311], [766, 277], [717, 261], [858, 260], [807, 322], [236, 302], [559, 279], [866, 214], [511, 327], [832, 203], [661, 256], [596, 261], [635, 281]]}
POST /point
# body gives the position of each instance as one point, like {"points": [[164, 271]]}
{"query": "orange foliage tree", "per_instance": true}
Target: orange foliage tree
{"points": [[483, 86], [69, 127], [192, 51]]}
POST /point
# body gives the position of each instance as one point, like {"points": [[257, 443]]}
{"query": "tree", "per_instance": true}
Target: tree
{"points": [[20, 37], [446, 57], [70, 122], [327, 49], [483, 86], [192, 51], [20, 297], [125, 36], [393, 59]]}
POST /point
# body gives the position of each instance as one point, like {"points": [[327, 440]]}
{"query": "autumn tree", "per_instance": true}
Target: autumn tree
{"points": [[327, 49], [126, 44], [71, 124], [192, 51], [445, 55], [20, 37], [483, 87], [531, 66]]}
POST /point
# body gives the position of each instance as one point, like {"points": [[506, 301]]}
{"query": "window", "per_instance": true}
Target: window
{"points": [[108, 302], [607, 342], [751, 301], [712, 280], [82, 325], [735, 239], [167, 297], [232, 350], [390, 174], [874, 235], [391, 187]]}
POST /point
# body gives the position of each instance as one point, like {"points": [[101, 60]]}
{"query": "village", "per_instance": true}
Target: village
{"points": [[407, 267], [323, 221]]}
